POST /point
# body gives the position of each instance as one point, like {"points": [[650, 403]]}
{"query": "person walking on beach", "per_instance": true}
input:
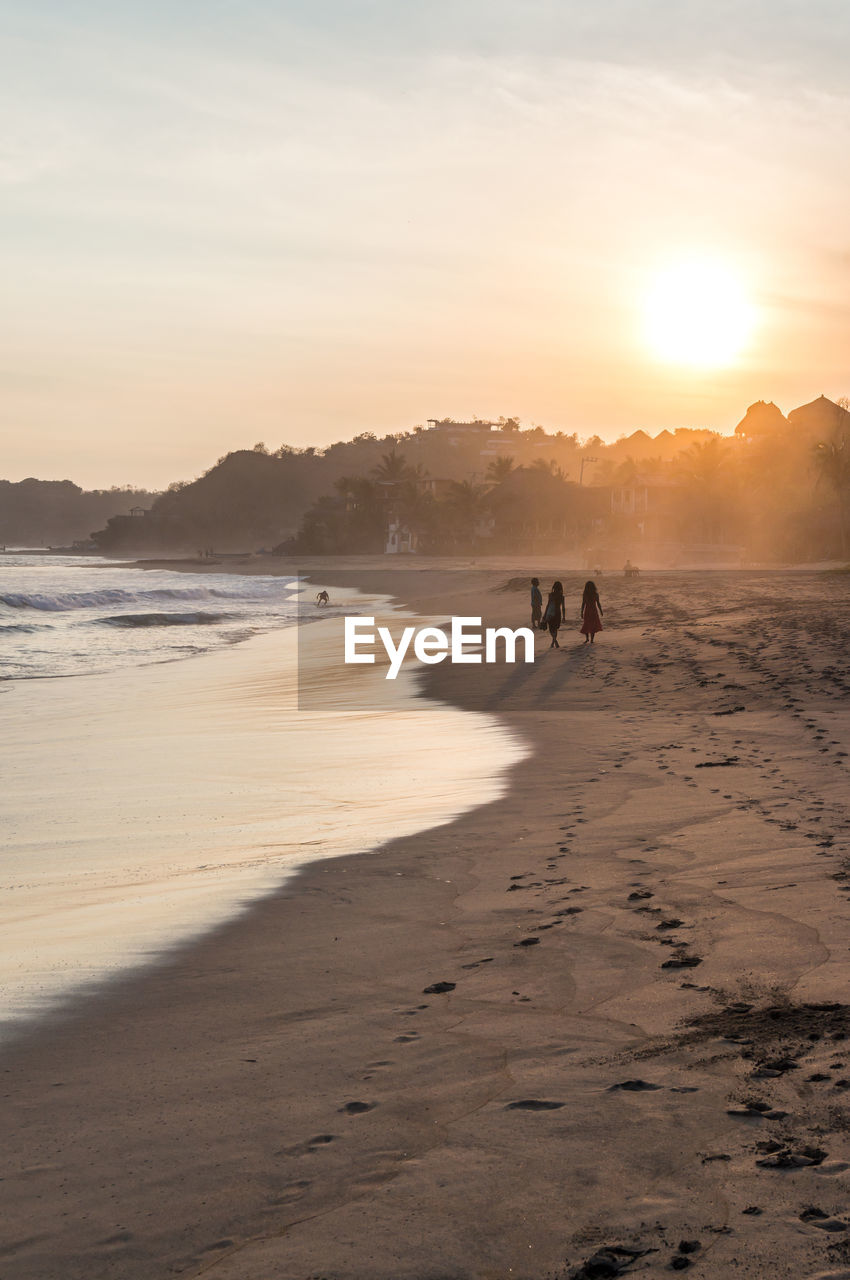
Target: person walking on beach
{"points": [[555, 612], [591, 612], [536, 603]]}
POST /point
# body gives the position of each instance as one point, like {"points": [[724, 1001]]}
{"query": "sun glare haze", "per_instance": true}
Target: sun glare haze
{"points": [[697, 312]]}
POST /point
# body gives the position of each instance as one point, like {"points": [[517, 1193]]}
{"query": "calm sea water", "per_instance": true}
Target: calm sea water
{"points": [[65, 616]]}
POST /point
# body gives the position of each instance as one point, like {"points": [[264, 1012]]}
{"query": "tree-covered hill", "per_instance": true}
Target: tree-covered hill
{"points": [[778, 489], [257, 498], [42, 513]]}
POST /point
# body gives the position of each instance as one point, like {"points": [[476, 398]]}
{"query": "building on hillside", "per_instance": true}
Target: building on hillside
{"points": [[400, 540], [821, 419], [496, 443], [761, 421], [437, 486], [463, 428], [460, 432], [644, 502], [637, 445]]}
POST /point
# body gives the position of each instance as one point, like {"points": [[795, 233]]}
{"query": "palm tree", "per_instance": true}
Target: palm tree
{"points": [[357, 491], [392, 469], [704, 462], [550, 467], [708, 489], [499, 469], [463, 507]]}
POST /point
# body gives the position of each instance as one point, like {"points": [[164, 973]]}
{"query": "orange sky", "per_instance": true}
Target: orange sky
{"points": [[294, 223]]}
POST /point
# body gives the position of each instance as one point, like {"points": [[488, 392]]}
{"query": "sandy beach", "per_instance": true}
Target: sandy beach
{"points": [[596, 1026]]}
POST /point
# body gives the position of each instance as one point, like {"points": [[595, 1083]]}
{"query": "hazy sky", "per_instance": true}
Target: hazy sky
{"points": [[267, 220]]}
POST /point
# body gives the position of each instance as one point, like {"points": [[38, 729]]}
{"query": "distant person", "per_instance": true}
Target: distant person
{"points": [[536, 603], [591, 612], [555, 613], [323, 598], [629, 570]]}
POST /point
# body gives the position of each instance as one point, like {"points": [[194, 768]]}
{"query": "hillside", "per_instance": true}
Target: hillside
{"points": [[254, 498], [778, 488], [41, 513]]}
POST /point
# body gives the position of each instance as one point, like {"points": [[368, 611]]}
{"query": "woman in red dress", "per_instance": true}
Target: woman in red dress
{"points": [[591, 612]]}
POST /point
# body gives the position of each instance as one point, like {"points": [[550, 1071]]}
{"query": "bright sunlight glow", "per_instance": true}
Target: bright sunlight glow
{"points": [[697, 313]]}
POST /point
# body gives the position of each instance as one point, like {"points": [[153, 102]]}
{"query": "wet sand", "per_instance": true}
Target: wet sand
{"points": [[605, 1012], [140, 808]]}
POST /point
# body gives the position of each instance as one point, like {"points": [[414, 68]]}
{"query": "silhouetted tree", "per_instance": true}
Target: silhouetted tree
{"points": [[832, 462], [499, 469], [707, 499], [392, 469], [463, 507], [549, 467]]}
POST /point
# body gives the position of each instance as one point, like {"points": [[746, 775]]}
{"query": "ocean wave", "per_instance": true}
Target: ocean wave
{"points": [[163, 619], [25, 628], [117, 596]]}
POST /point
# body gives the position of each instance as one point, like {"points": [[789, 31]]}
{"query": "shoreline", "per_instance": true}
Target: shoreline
{"points": [[290, 1101], [171, 797]]}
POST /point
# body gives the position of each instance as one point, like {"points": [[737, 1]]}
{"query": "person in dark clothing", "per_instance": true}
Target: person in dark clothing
{"points": [[591, 612], [555, 612], [536, 603]]}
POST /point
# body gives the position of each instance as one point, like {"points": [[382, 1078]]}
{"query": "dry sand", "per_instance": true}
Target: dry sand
{"points": [[643, 1042]]}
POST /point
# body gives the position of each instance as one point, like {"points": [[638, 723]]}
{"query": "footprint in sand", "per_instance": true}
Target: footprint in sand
{"points": [[356, 1108], [757, 1111], [309, 1147], [825, 1221], [635, 1086], [534, 1104], [381, 1062], [290, 1193], [787, 1159], [612, 1260]]}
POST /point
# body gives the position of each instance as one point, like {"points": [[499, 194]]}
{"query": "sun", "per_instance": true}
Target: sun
{"points": [[697, 313]]}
